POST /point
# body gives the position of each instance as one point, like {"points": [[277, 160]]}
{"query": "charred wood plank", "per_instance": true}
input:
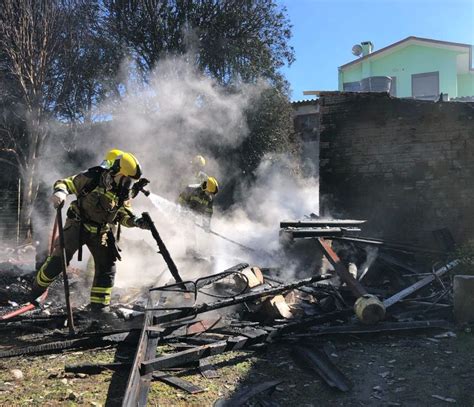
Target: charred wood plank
{"points": [[233, 343], [368, 308], [245, 395], [53, 347], [379, 328], [138, 385], [162, 249], [306, 233], [177, 382], [95, 368], [320, 223], [319, 362], [294, 326], [207, 369], [192, 355], [355, 286]]}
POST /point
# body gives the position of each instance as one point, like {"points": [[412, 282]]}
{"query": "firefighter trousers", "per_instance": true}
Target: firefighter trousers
{"points": [[104, 259]]}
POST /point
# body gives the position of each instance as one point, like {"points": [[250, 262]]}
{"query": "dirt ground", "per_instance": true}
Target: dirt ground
{"points": [[385, 370]]}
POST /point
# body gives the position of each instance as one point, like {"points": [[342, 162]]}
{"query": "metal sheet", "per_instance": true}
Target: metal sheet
{"points": [[420, 284]]}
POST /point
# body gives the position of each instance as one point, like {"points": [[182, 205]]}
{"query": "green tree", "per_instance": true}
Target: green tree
{"points": [[270, 124], [87, 63], [60, 58], [231, 40], [271, 133]]}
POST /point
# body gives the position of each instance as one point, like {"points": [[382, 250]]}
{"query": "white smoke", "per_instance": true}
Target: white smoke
{"points": [[166, 122], [371, 256]]}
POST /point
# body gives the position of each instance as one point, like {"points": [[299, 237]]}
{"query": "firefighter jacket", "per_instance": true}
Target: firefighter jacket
{"points": [[198, 201], [191, 179], [100, 203]]}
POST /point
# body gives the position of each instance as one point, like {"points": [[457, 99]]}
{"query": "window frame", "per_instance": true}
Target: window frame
{"points": [[424, 75], [351, 83]]}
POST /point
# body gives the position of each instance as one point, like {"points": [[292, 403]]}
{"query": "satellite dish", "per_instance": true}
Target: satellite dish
{"points": [[357, 50]]}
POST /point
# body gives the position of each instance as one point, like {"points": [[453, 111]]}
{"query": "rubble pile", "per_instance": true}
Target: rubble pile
{"points": [[362, 286]]}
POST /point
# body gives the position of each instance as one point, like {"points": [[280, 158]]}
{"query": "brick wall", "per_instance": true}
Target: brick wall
{"points": [[407, 166], [306, 124]]}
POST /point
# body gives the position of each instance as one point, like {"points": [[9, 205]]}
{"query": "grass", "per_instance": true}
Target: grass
{"points": [[418, 365]]}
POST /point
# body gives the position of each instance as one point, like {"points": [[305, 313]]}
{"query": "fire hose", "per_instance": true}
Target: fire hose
{"points": [[42, 298]]}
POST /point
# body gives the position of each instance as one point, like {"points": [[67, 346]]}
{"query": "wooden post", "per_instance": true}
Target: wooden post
{"points": [[18, 220], [70, 318], [368, 308]]}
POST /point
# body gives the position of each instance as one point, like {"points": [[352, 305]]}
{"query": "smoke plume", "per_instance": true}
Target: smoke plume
{"points": [[167, 120]]}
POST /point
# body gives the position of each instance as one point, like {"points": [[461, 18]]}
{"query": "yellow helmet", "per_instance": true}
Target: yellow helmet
{"points": [[112, 154], [126, 164], [210, 185], [110, 157], [199, 161]]}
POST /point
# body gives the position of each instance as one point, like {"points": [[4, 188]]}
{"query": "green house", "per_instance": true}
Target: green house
{"points": [[419, 68]]}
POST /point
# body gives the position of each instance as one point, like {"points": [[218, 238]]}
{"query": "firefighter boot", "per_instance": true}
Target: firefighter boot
{"points": [[35, 293], [101, 313], [4, 297]]}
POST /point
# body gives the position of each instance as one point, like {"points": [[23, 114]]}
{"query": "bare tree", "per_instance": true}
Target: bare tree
{"points": [[28, 42]]}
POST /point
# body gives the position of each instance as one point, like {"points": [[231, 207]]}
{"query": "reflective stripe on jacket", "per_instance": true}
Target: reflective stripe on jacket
{"points": [[97, 208], [197, 200]]}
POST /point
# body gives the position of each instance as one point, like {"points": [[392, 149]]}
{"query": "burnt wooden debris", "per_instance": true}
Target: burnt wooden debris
{"points": [[207, 369], [319, 362], [248, 393], [420, 284], [138, 384], [177, 382], [245, 308]]}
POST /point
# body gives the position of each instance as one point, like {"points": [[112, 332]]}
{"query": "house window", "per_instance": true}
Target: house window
{"points": [[351, 86], [393, 86], [425, 86]]}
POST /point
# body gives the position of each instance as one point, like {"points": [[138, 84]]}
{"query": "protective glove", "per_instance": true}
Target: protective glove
{"points": [[142, 223], [58, 198]]}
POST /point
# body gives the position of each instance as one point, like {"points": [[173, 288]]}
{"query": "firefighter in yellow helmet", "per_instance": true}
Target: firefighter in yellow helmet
{"points": [[198, 163], [102, 199], [110, 158], [199, 199]]}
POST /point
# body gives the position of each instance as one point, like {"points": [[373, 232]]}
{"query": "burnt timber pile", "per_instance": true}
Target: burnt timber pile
{"points": [[362, 286]]}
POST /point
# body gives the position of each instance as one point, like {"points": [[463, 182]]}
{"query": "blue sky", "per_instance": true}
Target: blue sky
{"points": [[324, 32]]}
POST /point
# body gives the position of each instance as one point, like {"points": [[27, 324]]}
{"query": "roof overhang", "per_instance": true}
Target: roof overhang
{"points": [[453, 46]]}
